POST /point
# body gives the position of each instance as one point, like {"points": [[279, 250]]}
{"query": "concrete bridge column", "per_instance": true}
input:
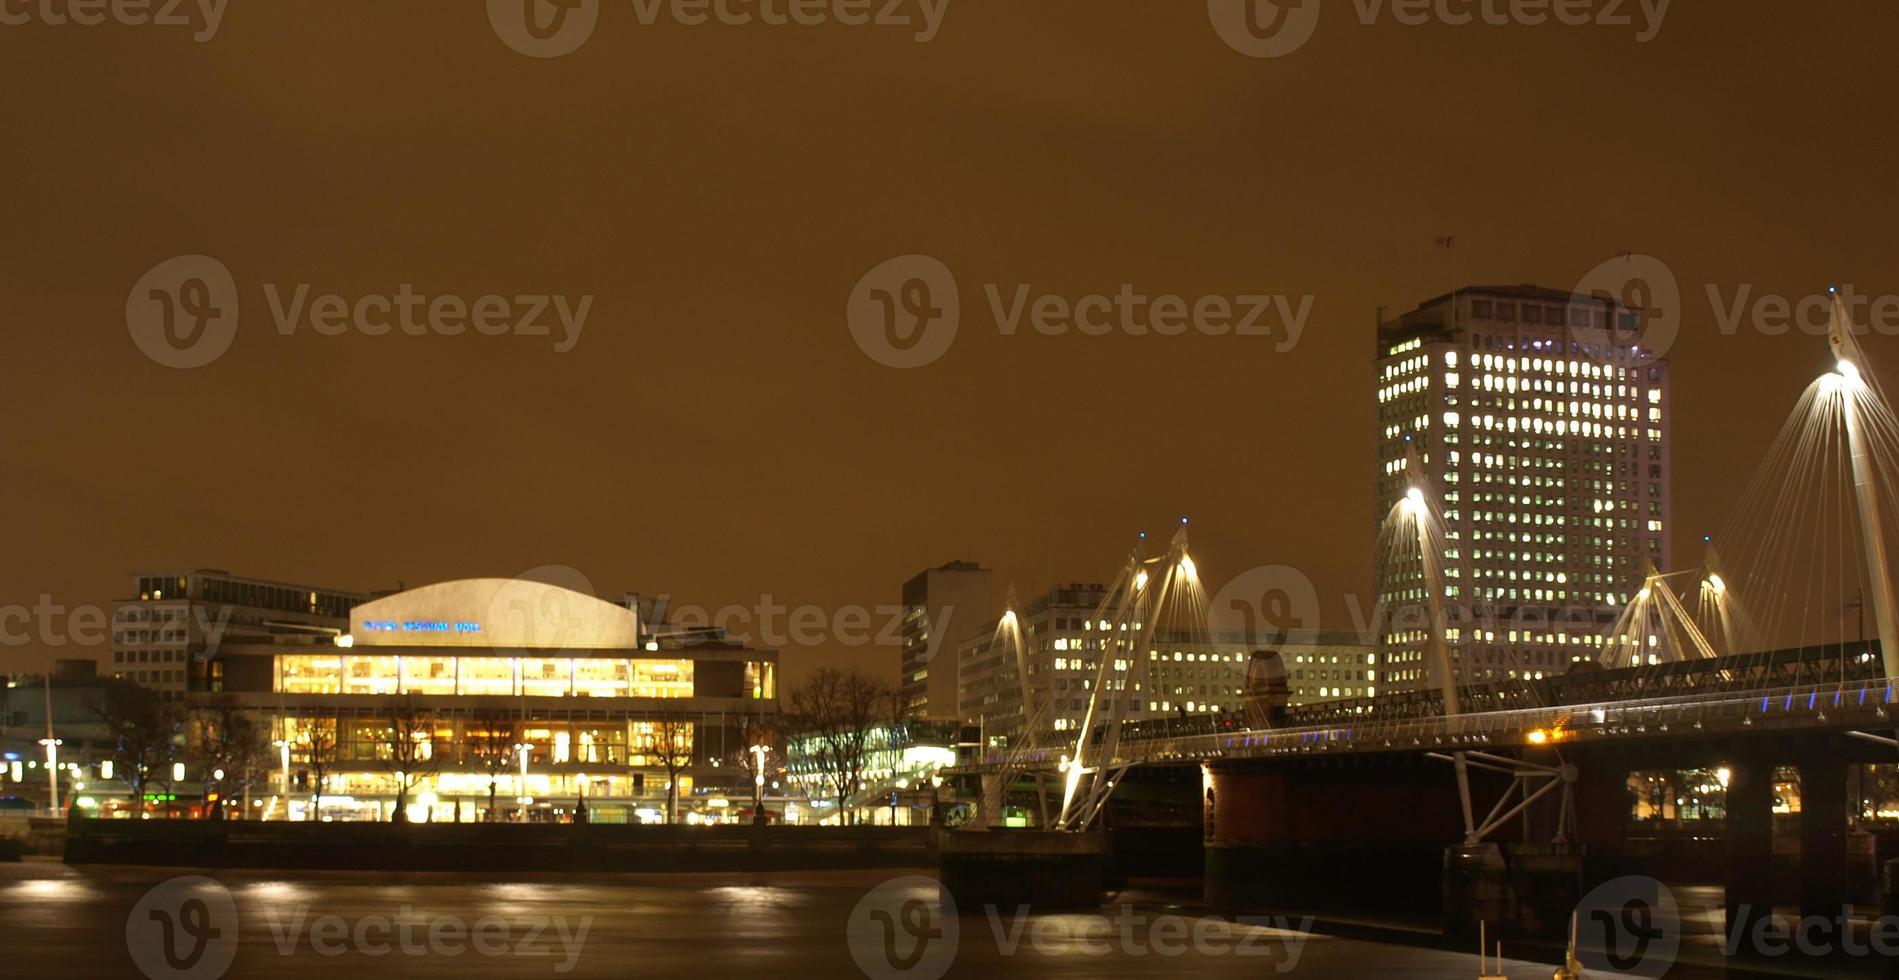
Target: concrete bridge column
{"points": [[1245, 813], [1750, 842], [1824, 882], [1345, 835], [1603, 807]]}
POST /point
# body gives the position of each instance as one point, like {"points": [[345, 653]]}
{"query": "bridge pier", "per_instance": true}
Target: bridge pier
{"points": [[1749, 894], [1603, 805], [1008, 868], [1825, 880], [1513, 889], [1244, 810], [1328, 835]]}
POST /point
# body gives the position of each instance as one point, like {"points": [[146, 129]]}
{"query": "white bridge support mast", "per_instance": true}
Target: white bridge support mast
{"points": [[1090, 781], [1851, 387], [1417, 508]]}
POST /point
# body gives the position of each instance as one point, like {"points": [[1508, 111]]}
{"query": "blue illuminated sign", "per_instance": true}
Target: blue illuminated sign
{"points": [[419, 626]]}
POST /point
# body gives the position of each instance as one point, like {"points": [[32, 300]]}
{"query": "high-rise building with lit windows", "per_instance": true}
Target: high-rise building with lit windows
{"points": [[1540, 425]]}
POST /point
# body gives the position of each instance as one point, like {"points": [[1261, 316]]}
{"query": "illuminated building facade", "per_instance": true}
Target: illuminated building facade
{"points": [[1200, 672], [1540, 423], [898, 780], [942, 607], [553, 695], [169, 630]]}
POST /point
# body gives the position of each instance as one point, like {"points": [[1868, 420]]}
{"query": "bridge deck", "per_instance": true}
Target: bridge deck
{"points": [[1813, 688]]}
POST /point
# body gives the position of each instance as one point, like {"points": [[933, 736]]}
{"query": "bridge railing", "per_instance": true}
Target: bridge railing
{"points": [[1830, 704], [1505, 713]]}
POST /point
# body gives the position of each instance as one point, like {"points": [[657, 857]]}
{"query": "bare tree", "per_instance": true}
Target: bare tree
{"points": [[230, 750], [672, 746], [408, 748], [317, 748], [837, 715], [147, 737], [492, 736]]}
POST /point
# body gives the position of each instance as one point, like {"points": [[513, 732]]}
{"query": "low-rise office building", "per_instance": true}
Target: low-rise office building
{"points": [[1188, 673], [166, 634]]}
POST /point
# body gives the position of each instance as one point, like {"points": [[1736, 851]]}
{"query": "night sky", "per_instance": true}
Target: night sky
{"points": [[715, 433]]}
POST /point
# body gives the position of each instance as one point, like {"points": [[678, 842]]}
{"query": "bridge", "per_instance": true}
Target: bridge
{"points": [[1838, 688], [1302, 793]]}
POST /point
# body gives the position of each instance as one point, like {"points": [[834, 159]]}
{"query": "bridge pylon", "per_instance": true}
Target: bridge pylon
{"points": [[1854, 389]]}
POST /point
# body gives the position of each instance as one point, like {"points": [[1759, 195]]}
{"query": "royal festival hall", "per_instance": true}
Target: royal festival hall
{"points": [[546, 695]]}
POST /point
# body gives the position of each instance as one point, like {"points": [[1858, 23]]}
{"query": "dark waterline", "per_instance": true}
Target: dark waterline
{"points": [[72, 923]]}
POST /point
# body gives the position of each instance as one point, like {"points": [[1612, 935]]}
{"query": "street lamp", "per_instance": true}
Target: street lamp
{"points": [[758, 782], [52, 768], [522, 797], [283, 750]]}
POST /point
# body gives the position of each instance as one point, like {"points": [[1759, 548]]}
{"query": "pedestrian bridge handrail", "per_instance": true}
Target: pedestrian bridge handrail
{"points": [[1841, 704]]}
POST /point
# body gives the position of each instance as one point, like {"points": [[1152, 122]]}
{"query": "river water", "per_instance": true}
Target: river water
{"points": [[69, 923]]}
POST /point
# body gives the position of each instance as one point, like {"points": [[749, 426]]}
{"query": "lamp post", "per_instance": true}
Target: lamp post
{"points": [[283, 758], [52, 744], [52, 766], [759, 752], [521, 797]]}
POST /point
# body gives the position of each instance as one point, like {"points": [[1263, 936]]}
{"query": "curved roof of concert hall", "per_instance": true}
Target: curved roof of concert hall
{"points": [[494, 613]]}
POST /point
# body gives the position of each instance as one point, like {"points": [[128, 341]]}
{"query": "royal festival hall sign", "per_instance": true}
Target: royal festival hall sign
{"points": [[419, 626]]}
